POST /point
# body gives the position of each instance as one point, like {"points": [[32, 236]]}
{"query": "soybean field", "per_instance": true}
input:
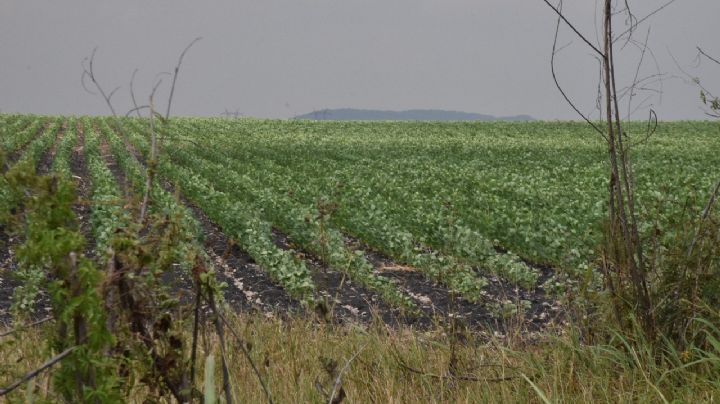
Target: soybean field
{"points": [[402, 221]]}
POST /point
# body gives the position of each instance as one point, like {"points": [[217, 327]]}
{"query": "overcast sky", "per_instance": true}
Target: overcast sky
{"points": [[281, 58]]}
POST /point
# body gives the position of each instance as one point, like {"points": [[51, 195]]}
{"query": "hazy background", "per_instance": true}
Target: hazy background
{"points": [[281, 58]]}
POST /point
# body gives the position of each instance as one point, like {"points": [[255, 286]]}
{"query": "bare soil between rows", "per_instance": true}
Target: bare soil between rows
{"points": [[439, 304], [249, 287]]}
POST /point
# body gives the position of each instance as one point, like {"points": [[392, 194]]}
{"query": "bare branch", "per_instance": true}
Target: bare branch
{"points": [[55, 359], [702, 52], [153, 157], [136, 109], [637, 72], [697, 82], [651, 128], [554, 75], [154, 89], [243, 348], [569, 24], [177, 69], [640, 21], [84, 84], [196, 324], [113, 92], [89, 72], [705, 214], [221, 337], [338, 379], [466, 378]]}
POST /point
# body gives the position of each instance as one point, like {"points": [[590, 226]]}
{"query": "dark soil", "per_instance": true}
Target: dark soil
{"points": [[82, 181], [438, 304], [248, 285], [346, 301], [178, 281], [341, 299], [45, 163]]}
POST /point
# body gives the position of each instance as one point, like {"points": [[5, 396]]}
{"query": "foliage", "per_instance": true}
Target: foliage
{"points": [[460, 202], [49, 257]]}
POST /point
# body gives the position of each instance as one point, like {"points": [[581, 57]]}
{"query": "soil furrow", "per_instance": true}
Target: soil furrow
{"points": [[81, 176], [439, 304], [177, 280], [45, 163], [340, 298], [249, 287], [248, 284]]}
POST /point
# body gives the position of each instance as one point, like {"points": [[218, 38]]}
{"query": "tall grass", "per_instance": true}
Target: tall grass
{"points": [[300, 359]]}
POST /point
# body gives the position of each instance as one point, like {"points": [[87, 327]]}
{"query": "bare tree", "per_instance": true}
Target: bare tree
{"points": [[89, 73], [624, 265]]}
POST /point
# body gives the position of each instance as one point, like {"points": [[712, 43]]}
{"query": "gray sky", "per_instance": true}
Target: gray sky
{"points": [[280, 58]]}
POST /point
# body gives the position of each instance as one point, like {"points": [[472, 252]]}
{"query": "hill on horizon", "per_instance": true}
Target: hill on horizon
{"points": [[350, 114]]}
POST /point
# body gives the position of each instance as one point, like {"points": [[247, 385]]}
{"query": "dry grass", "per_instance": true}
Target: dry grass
{"points": [[300, 358]]}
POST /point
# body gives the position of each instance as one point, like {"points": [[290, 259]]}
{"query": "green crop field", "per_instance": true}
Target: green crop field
{"points": [[408, 225], [467, 206]]}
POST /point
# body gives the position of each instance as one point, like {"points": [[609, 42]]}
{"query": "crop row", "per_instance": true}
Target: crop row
{"points": [[253, 235], [107, 212], [305, 225], [537, 189], [369, 215]]}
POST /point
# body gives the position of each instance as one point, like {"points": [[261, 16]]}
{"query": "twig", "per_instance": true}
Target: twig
{"points": [[707, 56], [635, 81], [57, 358], [554, 75], [695, 81], [177, 69], [136, 109], [569, 24], [221, 337], [454, 377], [247, 356], [5, 334], [89, 72], [640, 21], [153, 156], [651, 128], [338, 379], [706, 213]]}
